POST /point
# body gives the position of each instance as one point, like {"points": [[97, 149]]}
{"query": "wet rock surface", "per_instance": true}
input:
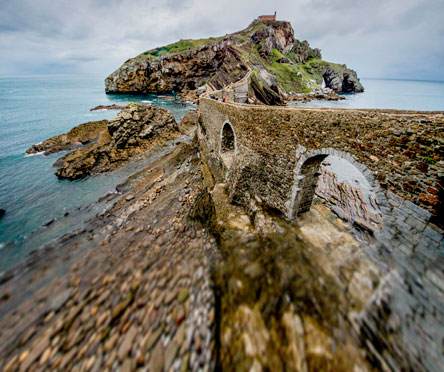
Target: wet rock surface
{"points": [[109, 107], [76, 137]]}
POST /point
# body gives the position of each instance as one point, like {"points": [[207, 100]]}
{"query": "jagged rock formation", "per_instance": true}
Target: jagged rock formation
{"points": [[78, 136], [131, 133], [103, 145], [303, 51], [216, 62], [342, 80]]}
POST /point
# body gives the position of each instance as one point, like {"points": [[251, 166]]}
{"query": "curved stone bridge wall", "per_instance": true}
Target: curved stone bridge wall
{"points": [[401, 150], [401, 153]]}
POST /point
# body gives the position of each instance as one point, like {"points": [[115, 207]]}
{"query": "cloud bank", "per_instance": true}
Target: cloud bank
{"points": [[379, 38]]}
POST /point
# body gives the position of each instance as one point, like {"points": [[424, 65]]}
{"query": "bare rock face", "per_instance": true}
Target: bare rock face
{"points": [[349, 203], [343, 80], [132, 132], [76, 137], [218, 64], [303, 51], [278, 35], [135, 125], [189, 122], [266, 88]]}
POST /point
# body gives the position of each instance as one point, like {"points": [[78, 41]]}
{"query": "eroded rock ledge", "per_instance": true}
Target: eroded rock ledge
{"points": [[76, 137], [132, 132], [104, 145]]}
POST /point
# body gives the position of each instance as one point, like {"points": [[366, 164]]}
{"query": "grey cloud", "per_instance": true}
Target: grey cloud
{"points": [[378, 38]]}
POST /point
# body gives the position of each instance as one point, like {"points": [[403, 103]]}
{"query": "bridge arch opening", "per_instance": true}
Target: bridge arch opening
{"points": [[347, 187], [228, 144]]}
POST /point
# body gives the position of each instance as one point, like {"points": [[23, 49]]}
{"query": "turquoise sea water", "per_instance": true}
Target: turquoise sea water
{"points": [[33, 109], [391, 94]]}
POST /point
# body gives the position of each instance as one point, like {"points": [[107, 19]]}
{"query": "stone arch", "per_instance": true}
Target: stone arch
{"points": [[306, 175], [228, 144]]}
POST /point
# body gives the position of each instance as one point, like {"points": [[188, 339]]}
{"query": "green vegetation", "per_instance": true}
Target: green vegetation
{"points": [[430, 160], [180, 47], [187, 45]]}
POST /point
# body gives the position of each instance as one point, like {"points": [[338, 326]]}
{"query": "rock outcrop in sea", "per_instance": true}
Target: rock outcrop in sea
{"points": [[78, 136], [284, 65], [134, 131], [104, 145]]}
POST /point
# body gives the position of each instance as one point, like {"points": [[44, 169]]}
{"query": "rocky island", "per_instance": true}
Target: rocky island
{"points": [[282, 66]]}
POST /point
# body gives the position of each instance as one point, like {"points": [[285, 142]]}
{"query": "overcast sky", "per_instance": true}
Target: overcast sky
{"points": [[378, 38]]}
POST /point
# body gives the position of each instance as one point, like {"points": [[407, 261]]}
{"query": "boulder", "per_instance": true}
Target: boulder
{"points": [[189, 122]]}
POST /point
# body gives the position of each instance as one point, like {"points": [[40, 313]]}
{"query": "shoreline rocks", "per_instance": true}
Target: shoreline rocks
{"points": [[109, 107], [320, 94], [76, 137], [135, 130], [342, 80]]}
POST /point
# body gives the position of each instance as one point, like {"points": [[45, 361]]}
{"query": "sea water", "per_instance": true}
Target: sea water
{"points": [[390, 94], [33, 109]]}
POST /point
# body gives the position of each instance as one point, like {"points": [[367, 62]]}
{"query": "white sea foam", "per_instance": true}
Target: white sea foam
{"points": [[37, 153], [146, 101]]}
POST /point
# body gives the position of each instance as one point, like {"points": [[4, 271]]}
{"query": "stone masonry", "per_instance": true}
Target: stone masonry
{"points": [[279, 151]]}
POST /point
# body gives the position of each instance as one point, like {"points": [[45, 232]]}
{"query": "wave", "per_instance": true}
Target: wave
{"points": [[37, 153], [146, 101]]}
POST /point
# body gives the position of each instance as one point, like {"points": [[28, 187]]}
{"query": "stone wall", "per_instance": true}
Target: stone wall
{"points": [[401, 154], [399, 151]]}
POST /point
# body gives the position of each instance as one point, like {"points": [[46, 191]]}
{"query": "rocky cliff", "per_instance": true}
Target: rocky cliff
{"points": [[213, 63]]}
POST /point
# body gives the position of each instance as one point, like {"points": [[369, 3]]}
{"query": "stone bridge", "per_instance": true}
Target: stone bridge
{"points": [[271, 155]]}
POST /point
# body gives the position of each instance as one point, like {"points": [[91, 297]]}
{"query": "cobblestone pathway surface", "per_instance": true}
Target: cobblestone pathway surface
{"points": [[131, 292]]}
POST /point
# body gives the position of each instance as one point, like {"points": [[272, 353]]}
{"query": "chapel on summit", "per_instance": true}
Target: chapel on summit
{"points": [[267, 17]]}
